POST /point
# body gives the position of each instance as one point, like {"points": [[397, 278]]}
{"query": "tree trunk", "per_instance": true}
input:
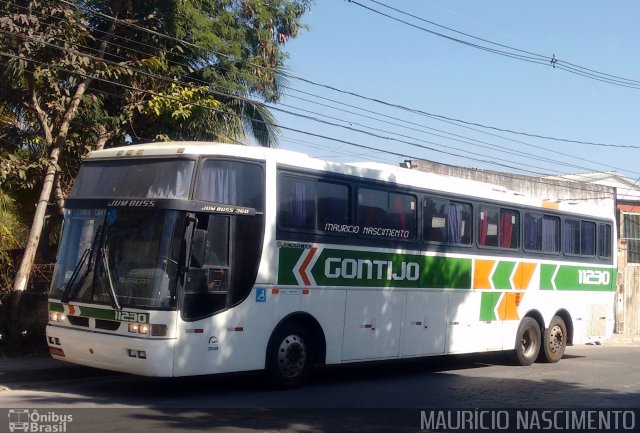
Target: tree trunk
{"points": [[58, 194], [22, 277], [103, 137]]}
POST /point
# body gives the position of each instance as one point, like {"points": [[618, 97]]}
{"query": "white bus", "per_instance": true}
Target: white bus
{"points": [[198, 258]]}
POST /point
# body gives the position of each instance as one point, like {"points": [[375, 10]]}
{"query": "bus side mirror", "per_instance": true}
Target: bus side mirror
{"points": [[197, 248]]}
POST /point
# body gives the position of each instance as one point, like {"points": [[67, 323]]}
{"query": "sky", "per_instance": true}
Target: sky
{"points": [[356, 50]]}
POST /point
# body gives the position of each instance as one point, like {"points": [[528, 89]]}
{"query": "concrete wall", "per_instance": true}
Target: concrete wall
{"points": [[541, 188]]}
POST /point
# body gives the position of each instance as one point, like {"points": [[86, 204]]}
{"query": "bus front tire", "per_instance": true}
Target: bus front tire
{"points": [[289, 356], [528, 341], [555, 341]]}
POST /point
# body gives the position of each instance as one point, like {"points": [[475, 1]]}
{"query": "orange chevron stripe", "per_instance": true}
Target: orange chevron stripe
{"points": [[524, 273], [508, 306], [481, 274]]}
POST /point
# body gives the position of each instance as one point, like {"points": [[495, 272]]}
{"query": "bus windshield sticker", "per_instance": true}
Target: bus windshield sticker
{"points": [[228, 209], [213, 343], [282, 244]]}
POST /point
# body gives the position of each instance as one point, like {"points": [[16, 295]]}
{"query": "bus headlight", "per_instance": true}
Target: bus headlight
{"points": [[147, 329], [54, 316], [139, 328]]}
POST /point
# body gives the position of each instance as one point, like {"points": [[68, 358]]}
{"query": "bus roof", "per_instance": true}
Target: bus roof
{"points": [[368, 170]]}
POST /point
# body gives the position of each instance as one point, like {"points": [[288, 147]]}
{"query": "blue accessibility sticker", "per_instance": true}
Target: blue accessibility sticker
{"points": [[261, 295]]}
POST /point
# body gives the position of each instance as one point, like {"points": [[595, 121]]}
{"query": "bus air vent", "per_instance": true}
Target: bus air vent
{"points": [[79, 321], [109, 325]]}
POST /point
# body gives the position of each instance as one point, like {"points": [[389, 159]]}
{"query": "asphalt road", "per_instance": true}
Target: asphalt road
{"points": [[357, 397]]}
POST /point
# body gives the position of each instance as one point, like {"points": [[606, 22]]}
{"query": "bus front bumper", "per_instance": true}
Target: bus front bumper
{"points": [[147, 357]]}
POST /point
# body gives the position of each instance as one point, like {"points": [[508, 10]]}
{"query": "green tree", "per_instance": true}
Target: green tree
{"points": [[79, 75]]}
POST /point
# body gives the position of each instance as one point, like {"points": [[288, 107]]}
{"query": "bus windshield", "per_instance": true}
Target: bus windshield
{"points": [[120, 256], [162, 178]]}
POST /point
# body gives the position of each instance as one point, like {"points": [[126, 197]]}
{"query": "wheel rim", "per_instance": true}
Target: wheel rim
{"points": [[292, 356], [556, 339], [528, 343]]}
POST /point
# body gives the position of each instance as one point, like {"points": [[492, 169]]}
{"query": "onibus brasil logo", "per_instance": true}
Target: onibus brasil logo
{"points": [[30, 420]]}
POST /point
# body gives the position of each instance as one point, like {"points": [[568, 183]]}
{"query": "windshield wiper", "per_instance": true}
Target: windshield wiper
{"points": [[112, 291], [66, 295], [87, 254]]}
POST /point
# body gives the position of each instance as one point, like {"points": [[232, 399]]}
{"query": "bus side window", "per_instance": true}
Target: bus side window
{"points": [[488, 226], [580, 237], [297, 203], [402, 212], [604, 241], [498, 227], [541, 233], [509, 229], [587, 238], [386, 210], [435, 219], [333, 204]]}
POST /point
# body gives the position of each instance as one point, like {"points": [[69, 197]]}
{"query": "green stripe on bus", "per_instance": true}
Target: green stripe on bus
{"points": [[502, 275], [56, 306], [366, 268], [546, 275], [288, 257], [337, 267], [577, 278], [97, 313], [488, 304]]}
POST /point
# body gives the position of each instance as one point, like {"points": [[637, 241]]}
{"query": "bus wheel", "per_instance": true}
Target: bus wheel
{"points": [[289, 356], [555, 340], [527, 342]]}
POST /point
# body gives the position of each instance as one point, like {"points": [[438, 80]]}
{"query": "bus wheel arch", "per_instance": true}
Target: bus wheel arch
{"points": [[295, 345]]}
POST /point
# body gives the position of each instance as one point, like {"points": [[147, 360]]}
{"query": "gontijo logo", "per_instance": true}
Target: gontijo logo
{"points": [[32, 421], [319, 266], [335, 267]]}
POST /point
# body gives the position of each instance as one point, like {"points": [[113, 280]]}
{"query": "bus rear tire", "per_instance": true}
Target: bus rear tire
{"points": [[528, 341], [289, 356], [555, 341]]}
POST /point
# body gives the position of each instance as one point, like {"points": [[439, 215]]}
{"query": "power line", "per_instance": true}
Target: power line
{"points": [[353, 129], [530, 57], [322, 136], [210, 84], [254, 101], [457, 137], [466, 155], [288, 75], [451, 119]]}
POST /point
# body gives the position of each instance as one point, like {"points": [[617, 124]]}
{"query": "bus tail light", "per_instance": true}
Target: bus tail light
{"points": [[56, 351]]}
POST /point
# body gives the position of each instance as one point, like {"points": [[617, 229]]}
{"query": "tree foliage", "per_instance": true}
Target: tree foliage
{"points": [[78, 75]]}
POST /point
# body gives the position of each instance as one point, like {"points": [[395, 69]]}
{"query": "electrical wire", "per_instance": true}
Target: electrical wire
{"points": [[530, 56], [322, 136]]}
